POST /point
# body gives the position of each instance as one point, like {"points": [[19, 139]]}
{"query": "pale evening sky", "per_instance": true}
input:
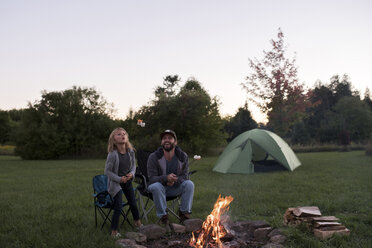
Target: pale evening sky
{"points": [[125, 48]]}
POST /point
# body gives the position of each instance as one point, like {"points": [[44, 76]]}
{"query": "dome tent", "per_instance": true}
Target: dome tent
{"points": [[250, 148]]}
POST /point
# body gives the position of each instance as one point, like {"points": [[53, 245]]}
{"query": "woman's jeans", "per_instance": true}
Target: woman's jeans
{"points": [[128, 191], [160, 192]]}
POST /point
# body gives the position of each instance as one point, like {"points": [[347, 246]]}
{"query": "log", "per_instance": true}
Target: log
{"points": [[289, 211], [331, 228], [330, 223], [288, 215], [326, 234], [307, 219], [322, 226], [326, 218], [307, 211]]}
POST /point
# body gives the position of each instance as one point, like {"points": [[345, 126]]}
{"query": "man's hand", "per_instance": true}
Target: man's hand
{"points": [[171, 178], [129, 176]]}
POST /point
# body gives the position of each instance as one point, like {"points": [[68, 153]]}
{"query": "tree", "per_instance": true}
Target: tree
{"points": [[274, 87], [322, 122], [341, 87], [5, 127], [169, 84], [317, 122], [74, 122], [199, 121], [242, 121], [355, 118], [367, 98], [300, 134], [189, 111]]}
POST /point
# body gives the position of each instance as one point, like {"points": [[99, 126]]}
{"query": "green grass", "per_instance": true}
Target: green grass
{"points": [[49, 203]]}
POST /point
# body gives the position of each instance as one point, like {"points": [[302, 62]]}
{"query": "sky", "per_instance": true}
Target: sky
{"points": [[124, 48]]}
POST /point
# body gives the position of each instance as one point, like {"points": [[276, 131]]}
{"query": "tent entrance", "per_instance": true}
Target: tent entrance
{"points": [[267, 166]]}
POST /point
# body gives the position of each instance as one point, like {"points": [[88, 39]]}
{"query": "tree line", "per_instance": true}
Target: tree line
{"points": [[76, 122]]}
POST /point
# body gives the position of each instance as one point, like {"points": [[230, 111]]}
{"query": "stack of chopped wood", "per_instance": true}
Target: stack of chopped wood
{"points": [[322, 226]]}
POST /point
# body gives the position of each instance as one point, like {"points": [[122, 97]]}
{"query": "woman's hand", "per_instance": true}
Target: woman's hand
{"points": [[129, 176], [123, 179]]}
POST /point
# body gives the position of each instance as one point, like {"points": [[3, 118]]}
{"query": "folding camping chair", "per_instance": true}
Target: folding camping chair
{"points": [[103, 202], [146, 205]]}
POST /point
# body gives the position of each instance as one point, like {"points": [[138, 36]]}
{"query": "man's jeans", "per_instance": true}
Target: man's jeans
{"points": [[159, 193]]}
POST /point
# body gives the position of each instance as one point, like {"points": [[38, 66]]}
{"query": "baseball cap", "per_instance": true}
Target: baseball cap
{"points": [[168, 131]]}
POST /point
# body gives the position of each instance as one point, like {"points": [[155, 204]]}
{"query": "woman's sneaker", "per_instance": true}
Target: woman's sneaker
{"points": [[116, 236]]}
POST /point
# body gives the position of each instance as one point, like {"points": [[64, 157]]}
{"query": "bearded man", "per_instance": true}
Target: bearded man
{"points": [[168, 172]]}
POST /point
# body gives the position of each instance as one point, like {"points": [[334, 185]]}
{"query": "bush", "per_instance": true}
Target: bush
{"points": [[69, 124], [326, 148], [369, 147]]}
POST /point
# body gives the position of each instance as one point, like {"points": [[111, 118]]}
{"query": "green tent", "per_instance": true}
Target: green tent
{"points": [[251, 147]]}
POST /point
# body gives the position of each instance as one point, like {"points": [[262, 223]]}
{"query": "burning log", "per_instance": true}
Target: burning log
{"points": [[212, 227]]}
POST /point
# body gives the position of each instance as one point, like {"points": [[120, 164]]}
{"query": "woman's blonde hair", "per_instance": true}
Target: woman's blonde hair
{"points": [[111, 141]]}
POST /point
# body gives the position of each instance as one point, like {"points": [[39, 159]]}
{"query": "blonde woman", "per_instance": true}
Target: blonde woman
{"points": [[120, 169]]}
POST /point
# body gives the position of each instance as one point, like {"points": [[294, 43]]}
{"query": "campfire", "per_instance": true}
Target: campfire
{"points": [[217, 231], [212, 228]]}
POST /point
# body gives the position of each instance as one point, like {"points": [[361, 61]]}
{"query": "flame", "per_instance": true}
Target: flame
{"points": [[212, 227]]}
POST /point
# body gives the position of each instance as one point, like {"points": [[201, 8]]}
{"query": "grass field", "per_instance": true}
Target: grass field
{"points": [[49, 203]]}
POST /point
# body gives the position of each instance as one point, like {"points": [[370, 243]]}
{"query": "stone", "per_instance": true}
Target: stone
{"points": [[127, 243], [138, 237], [153, 231], [192, 225], [174, 243], [239, 226], [260, 234], [232, 244], [274, 232], [258, 224], [272, 245], [178, 228], [277, 239]]}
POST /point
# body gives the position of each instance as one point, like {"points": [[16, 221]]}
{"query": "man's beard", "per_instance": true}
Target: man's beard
{"points": [[168, 148]]}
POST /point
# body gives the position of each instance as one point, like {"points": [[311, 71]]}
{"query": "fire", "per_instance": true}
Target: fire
{"points": [[212, 227]]}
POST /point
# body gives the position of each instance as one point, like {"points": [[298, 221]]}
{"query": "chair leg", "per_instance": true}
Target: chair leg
{"points": [[125, 217], [107, 218], [142, 206], [173, 206], [95, 213], [146, 212], [104, 216], [173, 213]]}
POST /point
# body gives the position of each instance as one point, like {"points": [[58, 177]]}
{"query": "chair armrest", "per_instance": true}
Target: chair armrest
{"points": [[141, 180]]}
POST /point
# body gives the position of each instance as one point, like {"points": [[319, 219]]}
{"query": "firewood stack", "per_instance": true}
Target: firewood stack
{"points": [[322, 226]]}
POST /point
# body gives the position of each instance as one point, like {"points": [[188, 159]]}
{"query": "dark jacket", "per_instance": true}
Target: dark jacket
{"points": [[157, 166]]}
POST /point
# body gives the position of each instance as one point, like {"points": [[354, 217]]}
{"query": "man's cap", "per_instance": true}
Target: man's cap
{"points": [[170, 132]]}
